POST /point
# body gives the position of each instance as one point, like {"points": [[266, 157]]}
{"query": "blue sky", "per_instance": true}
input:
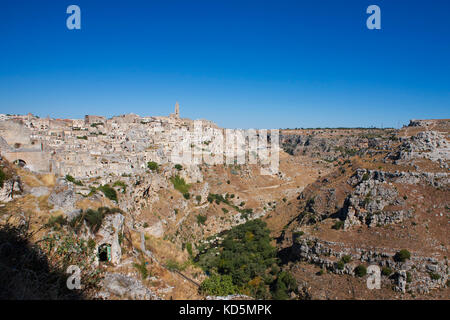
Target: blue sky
{"points": [[242, 64]]}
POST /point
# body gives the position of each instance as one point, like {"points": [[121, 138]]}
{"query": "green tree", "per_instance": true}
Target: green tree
{"points": [[152, 165], [402, 255]]}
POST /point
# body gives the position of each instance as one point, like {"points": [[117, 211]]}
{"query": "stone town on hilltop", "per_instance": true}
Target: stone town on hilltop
{"points": [[93, 146]]}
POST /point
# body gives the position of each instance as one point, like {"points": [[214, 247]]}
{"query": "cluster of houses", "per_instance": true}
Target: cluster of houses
{"points": [[93, 146]]}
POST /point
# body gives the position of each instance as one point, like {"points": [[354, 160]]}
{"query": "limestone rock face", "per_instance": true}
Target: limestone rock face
{"points": [[412, 275], [39, 191], [111, 228], [63, 197], [401, 281], [192, 174], [430, 145], [125, 287], [156, 230], [9, 189], [145, 192], [365, 205]]}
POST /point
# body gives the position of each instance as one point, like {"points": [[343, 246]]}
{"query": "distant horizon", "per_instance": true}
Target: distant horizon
{"points": [[240, 64], [281, 128]]}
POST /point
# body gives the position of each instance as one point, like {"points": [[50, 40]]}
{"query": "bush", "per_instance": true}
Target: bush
{"points": [[120, 184], [338, 225], [153, 166], [73, 180], [298, 233], [173, 265], [284, 284], [408, 277], [434, 276], [198, 198], [2, 178], [218, 285], [186, 195], [189, 248], [360, 271], [94, 219], [142, 268], [201, 219], [179, 167], [340, 265], [179, 184], [386, 271], [109, 192], [56, 222], [346, 259], [402, 255]]}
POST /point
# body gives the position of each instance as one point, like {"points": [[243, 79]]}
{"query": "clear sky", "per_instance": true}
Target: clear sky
{"points": [[242, 64]]}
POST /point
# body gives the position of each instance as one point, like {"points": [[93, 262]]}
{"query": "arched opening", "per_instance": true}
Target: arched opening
{"points": [[104, 252], [21, 163]]}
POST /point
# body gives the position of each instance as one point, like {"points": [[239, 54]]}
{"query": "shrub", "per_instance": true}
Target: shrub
{"points": [[386, 271], [94, 219], [179, 184], [360, 271], [142, 268], [198, 198], [73, 180], [218, 285], [152, 165], [284, 284], [189, 248], [173, 265], [434, 276], [201, 219], [120, 184], [179, 167], [225, 210], [298, 233], [340, 265], [186, 195], [402, 255], [55, 222], [2, 178], [408, 277], [338, 225], [109, 192], [346, 259]]}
